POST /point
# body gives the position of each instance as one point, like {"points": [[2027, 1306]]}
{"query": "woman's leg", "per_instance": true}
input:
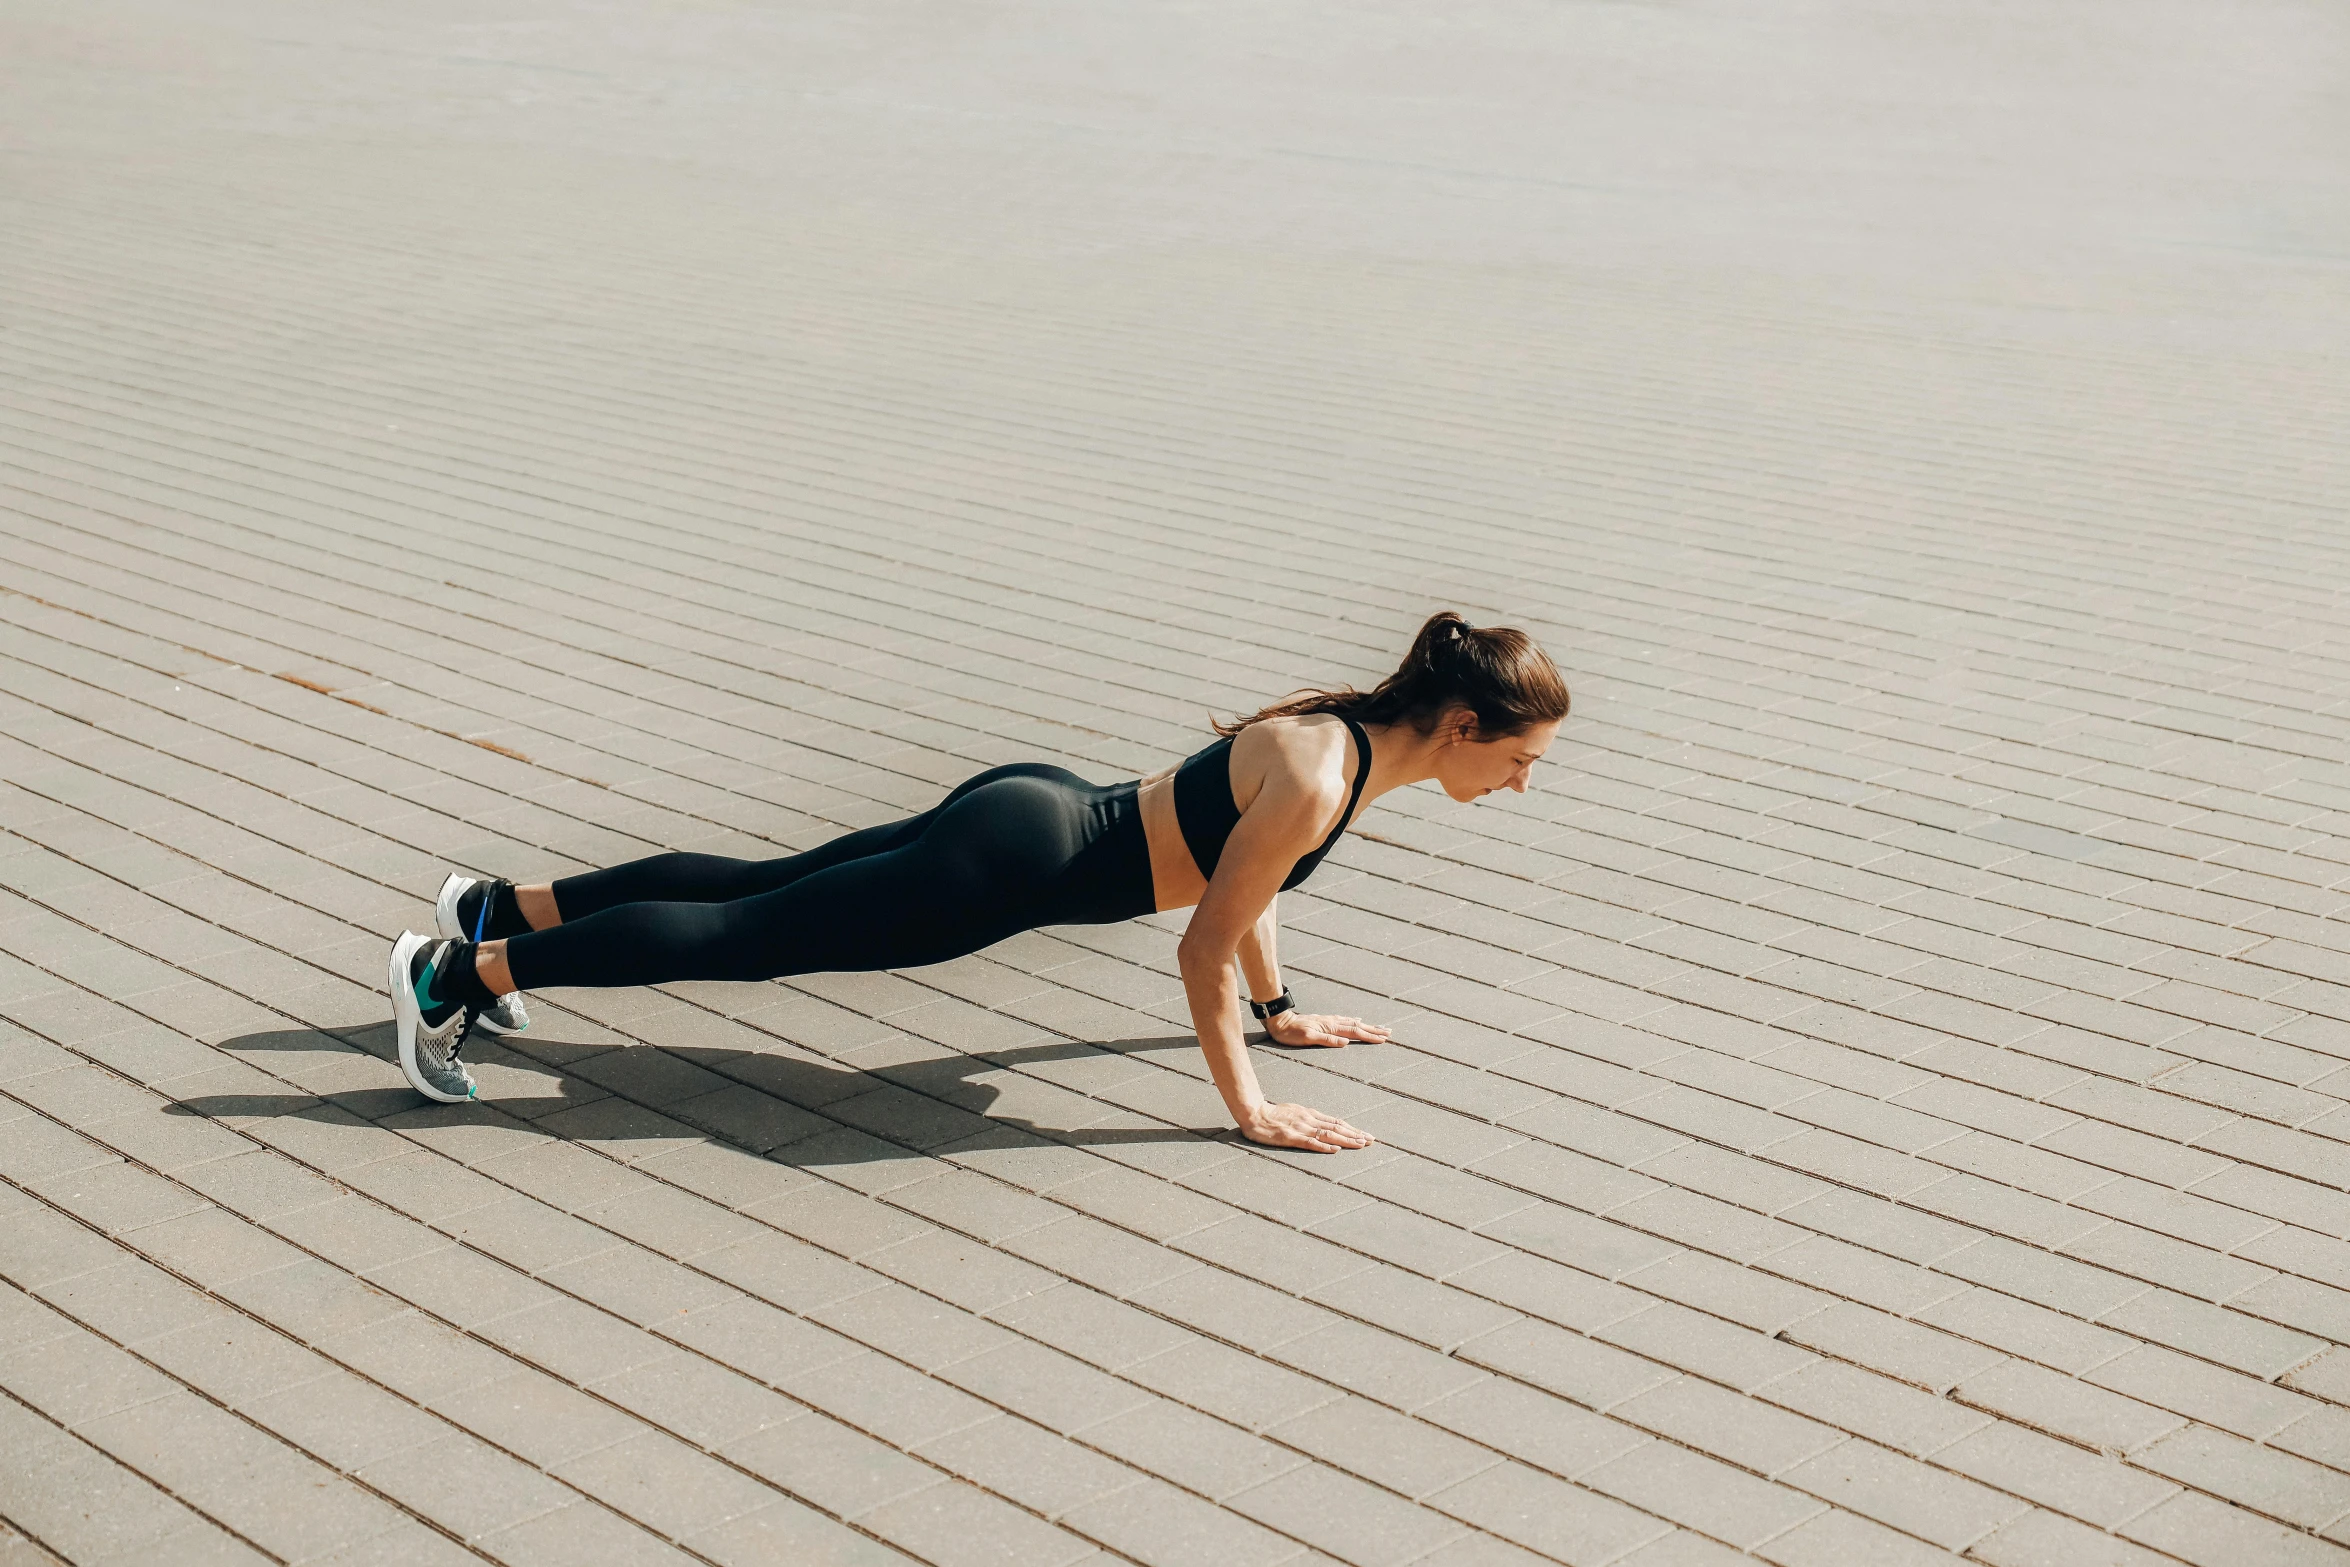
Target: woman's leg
{"points": [[951, 881], [714, 878], [699, 878]]}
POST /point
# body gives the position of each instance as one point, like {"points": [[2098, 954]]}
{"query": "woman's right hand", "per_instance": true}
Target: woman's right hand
{"points": [[1295, 1126]]}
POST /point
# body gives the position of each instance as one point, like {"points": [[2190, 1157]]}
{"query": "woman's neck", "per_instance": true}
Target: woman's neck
{"points": [[1400, 756]]}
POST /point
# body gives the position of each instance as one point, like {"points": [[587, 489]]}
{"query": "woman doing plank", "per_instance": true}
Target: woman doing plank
{"points": [[1012, 849]]}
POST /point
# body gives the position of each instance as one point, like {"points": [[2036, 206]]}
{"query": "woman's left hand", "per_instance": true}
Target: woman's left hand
{"points": [[1309, 1028]]}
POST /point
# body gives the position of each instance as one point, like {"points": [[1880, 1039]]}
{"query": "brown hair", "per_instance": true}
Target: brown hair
{"points": [[1498, 674]]}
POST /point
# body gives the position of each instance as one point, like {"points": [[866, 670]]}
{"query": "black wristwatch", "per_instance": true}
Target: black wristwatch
{"points": [[1274, 1008]]}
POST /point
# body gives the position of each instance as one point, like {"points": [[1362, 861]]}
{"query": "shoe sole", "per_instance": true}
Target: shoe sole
{"points": [[408, 1018], [444, 920]]}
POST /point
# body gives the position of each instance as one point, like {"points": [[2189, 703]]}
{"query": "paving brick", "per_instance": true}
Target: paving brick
{"points": [[77, 1377], [1350, 1519], [1376, 1363], [1155, 1523], [1405, 1455], [1842, 1537], [2065, 1407], [1862, 1477], [1029, 1464], [952, 1524], [1701, 1493], [1593, 1374], [133, 1302], [2207, 1532], [665, 1484], [2040, 1539], [233, 1358], [2056, 1474], [786, 1531], [583, 1531], [2274, 1483], [1899, 1349], [1715, 1420], [2227, 1399], [1691, 1341], [1413, 1307]]}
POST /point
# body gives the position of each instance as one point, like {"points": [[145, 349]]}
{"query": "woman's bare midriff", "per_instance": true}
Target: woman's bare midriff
{"points": [[1175, 879]]}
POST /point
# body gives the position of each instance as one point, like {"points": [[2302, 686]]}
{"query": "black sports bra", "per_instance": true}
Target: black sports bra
{"points": [[1205, 810]]}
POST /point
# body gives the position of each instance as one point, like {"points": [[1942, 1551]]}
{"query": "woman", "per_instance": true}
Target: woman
{"points": [[1015, 848]]}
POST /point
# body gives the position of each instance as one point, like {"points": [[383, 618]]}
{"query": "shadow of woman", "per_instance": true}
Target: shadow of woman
{"points": [[783, 1104]]}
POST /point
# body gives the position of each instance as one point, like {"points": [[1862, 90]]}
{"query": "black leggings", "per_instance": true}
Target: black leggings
{"points": [[1007, 851]]}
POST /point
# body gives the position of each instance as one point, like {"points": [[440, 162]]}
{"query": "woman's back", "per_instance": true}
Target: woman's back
{"points": [[1207, 807]]}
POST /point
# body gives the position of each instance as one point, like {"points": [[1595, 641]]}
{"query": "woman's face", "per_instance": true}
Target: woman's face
{"points": [[1469, 769]]}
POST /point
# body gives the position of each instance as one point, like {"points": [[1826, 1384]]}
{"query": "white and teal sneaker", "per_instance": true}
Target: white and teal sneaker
{"points": [[431, 1032], [449, 918]]}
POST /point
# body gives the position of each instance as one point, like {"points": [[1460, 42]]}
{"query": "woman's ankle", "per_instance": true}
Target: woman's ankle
{"points": [[489, 966], [536, 905]]}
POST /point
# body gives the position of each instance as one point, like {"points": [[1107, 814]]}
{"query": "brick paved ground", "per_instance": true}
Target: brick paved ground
{"points": [[1885, 1094]]}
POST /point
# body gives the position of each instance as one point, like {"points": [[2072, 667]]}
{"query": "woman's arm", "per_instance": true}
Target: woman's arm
{"points": [[1260, 973], [1282, 823], [1260, 969]]}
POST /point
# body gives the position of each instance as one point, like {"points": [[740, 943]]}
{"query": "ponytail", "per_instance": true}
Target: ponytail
{"points": [[1500, 675]]}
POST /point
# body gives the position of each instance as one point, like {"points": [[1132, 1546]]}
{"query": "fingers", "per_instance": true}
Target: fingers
{"points": [[1354, 1028], [1295, 1126]]}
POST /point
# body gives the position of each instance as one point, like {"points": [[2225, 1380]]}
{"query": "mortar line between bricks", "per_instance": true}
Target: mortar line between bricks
{"points": [[193, 1391], [1657, 1235]]}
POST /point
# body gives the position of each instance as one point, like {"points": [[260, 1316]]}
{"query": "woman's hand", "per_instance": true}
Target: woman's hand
{"points": [[1295, 1126], [1309, 1028]]}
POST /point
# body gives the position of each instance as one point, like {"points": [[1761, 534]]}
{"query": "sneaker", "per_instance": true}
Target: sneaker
{"points": [[431, 1032], [448, 917]]}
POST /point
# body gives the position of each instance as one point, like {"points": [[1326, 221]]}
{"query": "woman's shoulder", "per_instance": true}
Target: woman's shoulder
{"points": [[1305, 753]]}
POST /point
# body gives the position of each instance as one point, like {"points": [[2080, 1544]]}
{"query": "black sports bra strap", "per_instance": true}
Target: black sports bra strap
{"points": [[1362, 775]]}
